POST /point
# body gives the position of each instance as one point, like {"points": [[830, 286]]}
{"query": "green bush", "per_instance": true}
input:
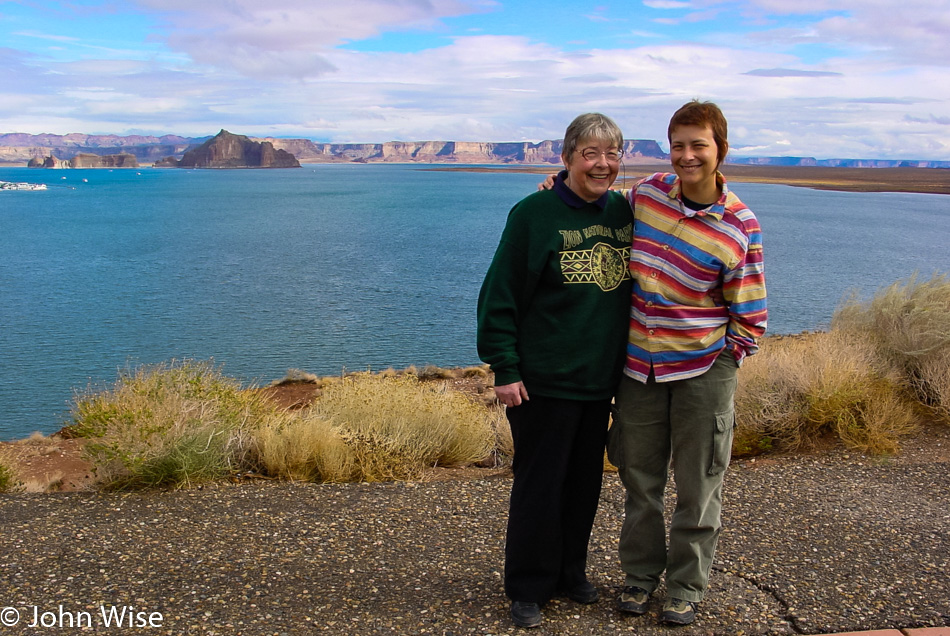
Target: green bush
{"points": [[169, 425], [8, 475]]}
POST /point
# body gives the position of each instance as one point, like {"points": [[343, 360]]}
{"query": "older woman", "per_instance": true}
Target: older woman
{"points": [[552, 323]]}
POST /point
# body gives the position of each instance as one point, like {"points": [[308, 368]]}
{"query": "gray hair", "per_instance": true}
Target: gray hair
{"points": [[591, 126]]}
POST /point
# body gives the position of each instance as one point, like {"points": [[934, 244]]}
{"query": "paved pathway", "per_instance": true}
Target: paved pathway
{"points": [[810, 546]]}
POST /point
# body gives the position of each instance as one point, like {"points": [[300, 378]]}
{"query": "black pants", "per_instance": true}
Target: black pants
{"points": [[558, 471]]}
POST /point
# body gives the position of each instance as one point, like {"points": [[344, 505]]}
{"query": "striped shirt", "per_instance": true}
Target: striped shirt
{"points": [[698, 281]]}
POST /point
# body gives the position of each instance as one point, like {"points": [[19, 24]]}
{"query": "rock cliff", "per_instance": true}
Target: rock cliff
{"points": [[86, 160], [227, 150], [477, 152], [167, 150], [89, 160], [20, 148]]}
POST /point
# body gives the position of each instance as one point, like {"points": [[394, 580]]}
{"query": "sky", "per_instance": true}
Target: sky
{"points": [[860, 79]]}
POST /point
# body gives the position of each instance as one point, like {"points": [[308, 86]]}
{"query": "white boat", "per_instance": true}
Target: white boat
{"points": [[9, 185]]}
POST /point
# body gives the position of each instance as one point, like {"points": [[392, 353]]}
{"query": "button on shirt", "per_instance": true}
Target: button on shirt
{"points": [[699, 283]]}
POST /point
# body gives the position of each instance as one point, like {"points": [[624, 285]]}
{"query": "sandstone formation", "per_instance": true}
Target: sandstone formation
{"points": [[167, 150], [89, 160], [47, 162], [227, 150], [476, 152], [20, 148], [86, 160]]}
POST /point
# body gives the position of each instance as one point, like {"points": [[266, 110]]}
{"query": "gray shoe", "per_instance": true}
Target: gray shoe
{"points": [[633, 600], [676, 611]]}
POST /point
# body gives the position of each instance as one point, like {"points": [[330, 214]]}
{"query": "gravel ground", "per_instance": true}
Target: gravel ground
{"points": [[810, 545]]}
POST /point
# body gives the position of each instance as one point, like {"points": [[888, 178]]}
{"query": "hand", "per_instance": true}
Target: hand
{"points": [[511, 394], [548, 183]]}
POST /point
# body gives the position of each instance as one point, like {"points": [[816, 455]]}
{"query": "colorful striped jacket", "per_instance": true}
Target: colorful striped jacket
{"points": [[698, 281]]}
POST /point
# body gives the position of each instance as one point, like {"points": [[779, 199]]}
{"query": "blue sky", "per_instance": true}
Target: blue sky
{"points": [[821, 78]]}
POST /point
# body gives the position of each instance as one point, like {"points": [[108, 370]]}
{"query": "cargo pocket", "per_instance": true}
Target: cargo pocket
{"points": [[722, 441], [614, 441]]}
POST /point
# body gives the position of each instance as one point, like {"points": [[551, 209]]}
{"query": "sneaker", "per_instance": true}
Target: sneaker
{"points": [[633, 600], [676, 611], [525, 614], [584, 593]]}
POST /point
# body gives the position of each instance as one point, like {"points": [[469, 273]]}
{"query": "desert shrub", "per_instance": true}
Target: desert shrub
{"points": [[432, 372], [503, 450], [475, 372], [800, 389], [295, 376], [935, 384], [909, 324], [9, 480], [303, 447], [395, 427], [169, 424]]}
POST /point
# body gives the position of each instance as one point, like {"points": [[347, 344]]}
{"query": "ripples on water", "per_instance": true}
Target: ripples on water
{"points": [[329, 268]]}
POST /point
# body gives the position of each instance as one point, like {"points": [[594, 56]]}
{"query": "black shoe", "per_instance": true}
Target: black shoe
{"points": [[584, 593], [633, 600], [676, 611], [525, 614]]}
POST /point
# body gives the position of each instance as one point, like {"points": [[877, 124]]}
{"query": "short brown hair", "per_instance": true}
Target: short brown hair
{"points": [[697, 113]]}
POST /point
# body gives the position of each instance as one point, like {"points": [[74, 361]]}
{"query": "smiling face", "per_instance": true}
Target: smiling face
{"points": [[695, 158], [591, 178]]}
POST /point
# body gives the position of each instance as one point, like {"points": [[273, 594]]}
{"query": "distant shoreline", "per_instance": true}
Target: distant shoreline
{"points": [[916, 180]]}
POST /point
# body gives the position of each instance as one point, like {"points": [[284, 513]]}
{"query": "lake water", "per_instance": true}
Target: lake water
{"points": [[338, 267]]}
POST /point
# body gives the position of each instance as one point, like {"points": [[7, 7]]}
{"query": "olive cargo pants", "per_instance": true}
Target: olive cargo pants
{"points": [[690, 422]]}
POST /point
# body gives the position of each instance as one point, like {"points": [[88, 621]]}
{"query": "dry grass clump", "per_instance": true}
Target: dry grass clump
{"points": [[798, 390], [295, 376], [170, 424], [432, 372], [183, 423], [395, 427], [480, 371], [303, 447], [909, 324], [9, 479]]}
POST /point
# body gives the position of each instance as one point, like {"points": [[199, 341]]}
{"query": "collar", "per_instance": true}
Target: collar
{"points": [[569, 197], [716, 210]]}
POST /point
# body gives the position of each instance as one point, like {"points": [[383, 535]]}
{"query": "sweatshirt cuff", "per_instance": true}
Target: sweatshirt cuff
{"points": [[506, 376]]}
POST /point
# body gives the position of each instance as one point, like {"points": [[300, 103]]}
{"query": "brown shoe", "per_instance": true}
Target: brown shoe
{"points": [[676, 611], [633, 600]]}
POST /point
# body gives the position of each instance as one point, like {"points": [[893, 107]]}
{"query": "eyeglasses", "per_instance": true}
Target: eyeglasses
{"points": [[591, 154]]}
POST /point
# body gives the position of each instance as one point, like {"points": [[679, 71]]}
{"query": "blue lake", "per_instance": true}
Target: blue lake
{"points": [[338, 267]]}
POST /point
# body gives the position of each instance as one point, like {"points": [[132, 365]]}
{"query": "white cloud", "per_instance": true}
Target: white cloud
{"points": [[666, 4], [912, 31], [288, 37], [46, 36], [279, 70]]}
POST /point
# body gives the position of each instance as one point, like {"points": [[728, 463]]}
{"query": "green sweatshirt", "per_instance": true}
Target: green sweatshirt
{"points": [[554, 309]]}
